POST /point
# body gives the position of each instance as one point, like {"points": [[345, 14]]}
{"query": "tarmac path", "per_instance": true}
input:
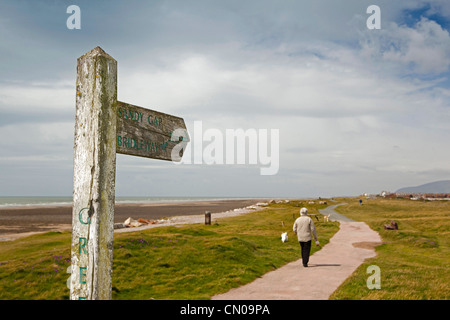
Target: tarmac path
{"points": [[334, 216], [327, 268]]}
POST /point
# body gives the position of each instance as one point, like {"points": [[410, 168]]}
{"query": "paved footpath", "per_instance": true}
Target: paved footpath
{"points": [[327, 268]]}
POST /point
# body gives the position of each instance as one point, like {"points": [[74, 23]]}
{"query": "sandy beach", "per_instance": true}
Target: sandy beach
{"points": [[24, 221]]}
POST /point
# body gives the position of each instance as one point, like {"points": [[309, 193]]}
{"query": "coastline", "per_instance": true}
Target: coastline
{"points": [[23, 221]]}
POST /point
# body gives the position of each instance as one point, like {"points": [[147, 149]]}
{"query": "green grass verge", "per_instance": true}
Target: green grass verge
{"points": [[414, 260], [183, 262]]}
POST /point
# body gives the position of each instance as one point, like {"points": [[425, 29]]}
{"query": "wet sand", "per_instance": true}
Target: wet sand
{"points": [[28, 220]]}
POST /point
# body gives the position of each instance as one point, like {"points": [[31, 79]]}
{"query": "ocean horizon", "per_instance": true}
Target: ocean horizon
{"points": [[30, 201]]}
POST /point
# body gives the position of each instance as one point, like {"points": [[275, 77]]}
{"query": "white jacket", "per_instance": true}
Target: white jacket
{"points": [[304, 228]]}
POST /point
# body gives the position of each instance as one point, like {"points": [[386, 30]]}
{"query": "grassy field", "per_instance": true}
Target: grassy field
{"points": [[184, 262], [414, 260]]}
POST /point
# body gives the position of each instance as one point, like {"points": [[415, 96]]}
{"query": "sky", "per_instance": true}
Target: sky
{"points": [[358, 110]]}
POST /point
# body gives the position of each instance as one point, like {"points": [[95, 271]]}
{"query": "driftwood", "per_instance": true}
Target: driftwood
{"points": [[392, 226]]}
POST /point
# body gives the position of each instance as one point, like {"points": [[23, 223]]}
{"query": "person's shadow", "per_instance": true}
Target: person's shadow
{"points": [[312, 265]]}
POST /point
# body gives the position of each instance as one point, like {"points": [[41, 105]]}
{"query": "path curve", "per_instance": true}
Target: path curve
{"points": [[334, 216], [328, 267]]}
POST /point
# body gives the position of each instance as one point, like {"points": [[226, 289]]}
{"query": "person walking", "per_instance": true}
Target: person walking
{"points": [[305, 229]]}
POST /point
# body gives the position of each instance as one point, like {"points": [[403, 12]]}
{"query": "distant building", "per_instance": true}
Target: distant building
{"points": [[416, 196]]}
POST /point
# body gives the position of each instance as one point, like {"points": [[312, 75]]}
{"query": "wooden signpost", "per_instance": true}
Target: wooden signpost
{"points": [[147, 133], [104, 127]]}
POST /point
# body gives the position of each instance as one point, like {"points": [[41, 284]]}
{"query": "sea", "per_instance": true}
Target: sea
{"points": [[23, 201]]}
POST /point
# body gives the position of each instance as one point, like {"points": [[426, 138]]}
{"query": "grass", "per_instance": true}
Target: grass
{"points": [[182, 262], [414, 260], [33, 267]]}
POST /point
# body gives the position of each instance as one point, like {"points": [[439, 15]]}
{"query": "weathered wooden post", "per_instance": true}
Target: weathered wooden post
{"points": [[104, 127], [94, 176], [207, 217]]}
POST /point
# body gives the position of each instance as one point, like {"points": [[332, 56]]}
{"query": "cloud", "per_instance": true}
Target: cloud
{"points": [[34, 102], [342, 95], [332, 82], [423, 48]]}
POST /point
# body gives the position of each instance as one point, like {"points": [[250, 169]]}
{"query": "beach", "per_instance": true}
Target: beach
{"points": [[23, 221]]}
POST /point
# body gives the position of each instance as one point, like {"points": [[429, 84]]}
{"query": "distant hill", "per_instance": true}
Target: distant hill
{"points": [[442, 186]]}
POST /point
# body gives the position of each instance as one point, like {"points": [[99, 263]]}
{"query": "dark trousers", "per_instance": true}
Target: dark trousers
{"points": [[306, 249]]}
